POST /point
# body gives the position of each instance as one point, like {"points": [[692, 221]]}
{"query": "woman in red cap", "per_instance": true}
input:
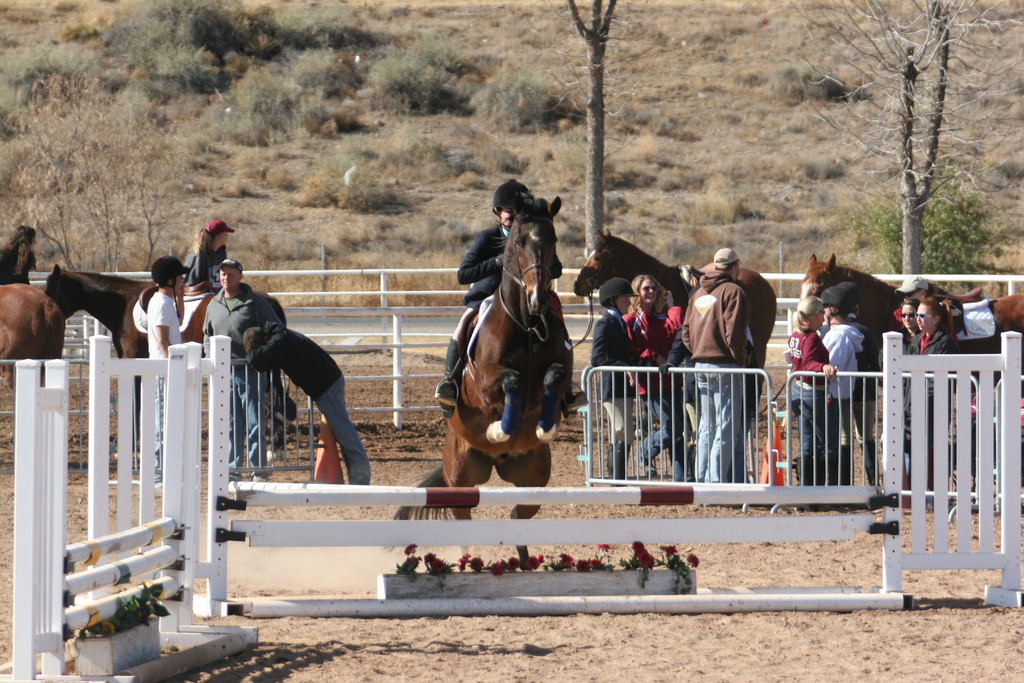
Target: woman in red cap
{"points": [[209, 248]]}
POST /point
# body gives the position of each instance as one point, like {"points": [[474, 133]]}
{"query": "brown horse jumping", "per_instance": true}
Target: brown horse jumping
{"points": [[615, 257], [511, 391], [879, 299], [31, 326]]}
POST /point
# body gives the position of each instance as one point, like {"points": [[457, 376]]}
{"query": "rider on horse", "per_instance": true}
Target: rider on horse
{"points": [[482, 268]]}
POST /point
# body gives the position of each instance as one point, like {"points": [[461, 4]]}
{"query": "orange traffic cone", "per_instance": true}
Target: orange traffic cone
{"points": [[771, 471], [328, 461]]}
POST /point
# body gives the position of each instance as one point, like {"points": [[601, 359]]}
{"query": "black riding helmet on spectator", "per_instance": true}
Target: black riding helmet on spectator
{"points": [[844, 297], [165, 269], [615, 287]]}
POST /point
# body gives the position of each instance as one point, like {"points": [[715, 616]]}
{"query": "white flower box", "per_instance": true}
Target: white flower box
{"points": [[108, 655], [532, 584]]}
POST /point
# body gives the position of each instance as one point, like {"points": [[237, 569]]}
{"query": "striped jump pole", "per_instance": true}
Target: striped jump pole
{"points": [[259, 494]]}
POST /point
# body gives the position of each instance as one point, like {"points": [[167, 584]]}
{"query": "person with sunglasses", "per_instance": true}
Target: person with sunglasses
{"points": [[934, 338], [908, 321], [651, 325]]}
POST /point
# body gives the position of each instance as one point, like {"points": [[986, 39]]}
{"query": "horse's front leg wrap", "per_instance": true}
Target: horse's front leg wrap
{"points": [[498, 432], [554, 379]]}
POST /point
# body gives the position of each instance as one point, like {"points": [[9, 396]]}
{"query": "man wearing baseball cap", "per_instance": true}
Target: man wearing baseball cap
{"points": [[208, 249], [715, 331], [231, 312]]}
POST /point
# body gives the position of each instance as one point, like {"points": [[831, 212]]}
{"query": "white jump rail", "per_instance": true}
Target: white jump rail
{"points": [[50, 601]]}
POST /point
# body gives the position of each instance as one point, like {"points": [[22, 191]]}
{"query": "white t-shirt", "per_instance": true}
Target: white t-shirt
{"points": [[161, 311]]}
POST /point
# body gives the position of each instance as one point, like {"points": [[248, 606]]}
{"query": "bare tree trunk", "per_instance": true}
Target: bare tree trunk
{"points": [[596, 38], [595, 147]]}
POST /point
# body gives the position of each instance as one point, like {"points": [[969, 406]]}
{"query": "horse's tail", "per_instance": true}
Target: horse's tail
{"points": [[435, 478]]}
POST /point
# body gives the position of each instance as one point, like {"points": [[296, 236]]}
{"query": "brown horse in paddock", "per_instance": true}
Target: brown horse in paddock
{"points": [[879, 299], [511, 390], [31, 326], [615, 257]]}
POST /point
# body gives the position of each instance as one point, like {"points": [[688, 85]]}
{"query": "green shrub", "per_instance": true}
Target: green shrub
{"points": [[419, 80], [796, 83], [262, 108], [185, 41], [517, 100], [322, 71], [439, 54], [20, 68], [960, 232], [328, 29]]}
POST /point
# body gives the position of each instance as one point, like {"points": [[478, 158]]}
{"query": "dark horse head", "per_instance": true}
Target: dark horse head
{"points": [[528, 259], [598, 268]]}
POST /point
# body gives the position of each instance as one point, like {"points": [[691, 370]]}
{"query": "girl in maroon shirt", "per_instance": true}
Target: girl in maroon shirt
{"points": [[817, 417]]}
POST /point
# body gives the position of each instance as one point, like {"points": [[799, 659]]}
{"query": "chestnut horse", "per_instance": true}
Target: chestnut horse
{"points": [[615, 257], [511, 390], [879, 299], [31, 326]]}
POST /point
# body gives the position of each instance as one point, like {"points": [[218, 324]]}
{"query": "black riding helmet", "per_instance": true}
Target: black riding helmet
{"points": [[845, 296], [505, 195], [617, 286], [165, 269]]}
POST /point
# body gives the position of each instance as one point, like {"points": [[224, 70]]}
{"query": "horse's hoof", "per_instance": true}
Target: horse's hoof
{"points": [[495, 434], [546, 436]]}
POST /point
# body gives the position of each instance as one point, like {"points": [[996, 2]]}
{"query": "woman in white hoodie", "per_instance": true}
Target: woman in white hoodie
{"points": [[844, 342]]}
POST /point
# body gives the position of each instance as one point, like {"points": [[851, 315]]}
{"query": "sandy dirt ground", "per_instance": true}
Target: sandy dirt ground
{"points": [[949, 636]]}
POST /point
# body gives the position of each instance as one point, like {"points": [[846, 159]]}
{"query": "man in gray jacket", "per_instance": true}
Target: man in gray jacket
{"points": [[232, 311]]}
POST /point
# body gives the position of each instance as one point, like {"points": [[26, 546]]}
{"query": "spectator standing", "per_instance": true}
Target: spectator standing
{"points": [[865, 390], [715, 331], [908, 317], [18, 257], [651, 325], [163, 329], [844, 343], [208, 250], [935, 338], [817, 415], [274, 347], [611, 347], [232, 311]]}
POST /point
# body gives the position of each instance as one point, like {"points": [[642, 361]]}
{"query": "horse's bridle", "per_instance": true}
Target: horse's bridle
{"points": [[540, 330]]}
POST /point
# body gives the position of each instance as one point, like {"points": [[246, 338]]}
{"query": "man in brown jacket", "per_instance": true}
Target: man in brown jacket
{"points": [[715, 330]]}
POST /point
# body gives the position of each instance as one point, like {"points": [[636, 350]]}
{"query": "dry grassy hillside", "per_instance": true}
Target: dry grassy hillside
{"points": [[704, 151]]}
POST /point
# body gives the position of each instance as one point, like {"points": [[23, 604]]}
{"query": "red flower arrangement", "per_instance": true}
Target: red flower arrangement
{"points": [[641, 560], [434, 565]]}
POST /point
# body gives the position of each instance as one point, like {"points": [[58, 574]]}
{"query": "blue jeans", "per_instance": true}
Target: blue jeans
{"points": [[669, 414], [159, 433], [818, 427], [332, 404], [245, 418], [720, 433]]}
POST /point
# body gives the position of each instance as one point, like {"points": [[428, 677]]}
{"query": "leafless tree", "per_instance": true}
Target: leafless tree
{"points": [[931, 91], [98, 179]]}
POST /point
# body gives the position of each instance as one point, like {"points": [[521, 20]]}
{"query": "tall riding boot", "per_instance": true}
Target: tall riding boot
{"points": [[447, 391], [870, 468], [618, 460]]}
